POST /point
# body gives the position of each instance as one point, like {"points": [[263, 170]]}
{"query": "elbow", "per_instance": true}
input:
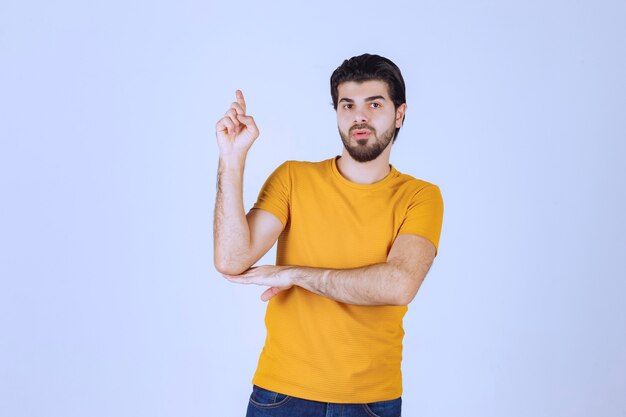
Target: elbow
{"points": [[404, 297], [229, 269], [407, 290], [228, 266]]}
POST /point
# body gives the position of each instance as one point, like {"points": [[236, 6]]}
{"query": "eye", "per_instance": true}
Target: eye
{"points": [[375, 105], [347, 106]]}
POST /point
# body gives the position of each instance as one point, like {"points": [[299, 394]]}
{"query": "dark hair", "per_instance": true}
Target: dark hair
{"points": [[368, 67]]}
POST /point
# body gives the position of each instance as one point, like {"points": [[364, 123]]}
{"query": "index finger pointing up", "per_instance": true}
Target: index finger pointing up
{"points": [[240, 100]]}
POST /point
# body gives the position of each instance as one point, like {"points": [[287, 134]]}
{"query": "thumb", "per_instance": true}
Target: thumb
{"points": [[270, 293], [246, 120], [250, 125]]}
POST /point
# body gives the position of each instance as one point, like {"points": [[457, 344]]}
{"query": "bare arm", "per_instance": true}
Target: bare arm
{"points": [[394, 282], [238, 240]]}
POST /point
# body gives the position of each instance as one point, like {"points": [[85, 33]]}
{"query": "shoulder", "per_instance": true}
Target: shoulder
{"points": [[308, 165], [415, 186], [295, 168], [291, 171]]}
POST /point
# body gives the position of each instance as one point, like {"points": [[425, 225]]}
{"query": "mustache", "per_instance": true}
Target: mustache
{"points": [[362, 126]]}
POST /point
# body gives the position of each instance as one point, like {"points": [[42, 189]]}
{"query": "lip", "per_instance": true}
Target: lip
{"points": [[361, 133]]}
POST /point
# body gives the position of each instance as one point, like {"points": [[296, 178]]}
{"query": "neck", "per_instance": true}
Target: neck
{"points": [[364, 172]]}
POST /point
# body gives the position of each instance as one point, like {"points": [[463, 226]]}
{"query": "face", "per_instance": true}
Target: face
{"points": [[367, 118]]}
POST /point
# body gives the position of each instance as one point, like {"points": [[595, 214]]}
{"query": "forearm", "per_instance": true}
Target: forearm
{"points": [[385, 283], [231, 234], [394, 282]]}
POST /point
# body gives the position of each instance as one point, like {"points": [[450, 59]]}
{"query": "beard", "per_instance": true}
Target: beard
{"points": [[362, 150]]}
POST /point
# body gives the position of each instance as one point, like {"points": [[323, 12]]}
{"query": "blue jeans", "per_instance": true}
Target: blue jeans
{"points": [[265, 403]]}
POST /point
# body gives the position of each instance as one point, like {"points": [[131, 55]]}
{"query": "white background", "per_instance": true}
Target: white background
{"points": [[109, 302]]}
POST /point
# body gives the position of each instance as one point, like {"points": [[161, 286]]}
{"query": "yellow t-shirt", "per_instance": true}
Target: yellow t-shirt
{"points": [[317, 348]]}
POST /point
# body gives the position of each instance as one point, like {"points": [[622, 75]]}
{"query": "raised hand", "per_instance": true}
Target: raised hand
{"points": [[236, 131]]}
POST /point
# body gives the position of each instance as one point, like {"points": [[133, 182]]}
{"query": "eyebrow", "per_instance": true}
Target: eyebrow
{"points": [[372, 98]]}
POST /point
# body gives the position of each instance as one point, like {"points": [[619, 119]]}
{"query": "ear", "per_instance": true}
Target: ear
{"points": [[400, 112]]}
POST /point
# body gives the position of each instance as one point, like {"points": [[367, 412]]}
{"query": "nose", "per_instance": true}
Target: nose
{"points": [[360, 116]]}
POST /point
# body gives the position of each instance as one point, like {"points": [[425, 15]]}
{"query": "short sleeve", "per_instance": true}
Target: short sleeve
{"points": [[275, 194], [424, 214]]}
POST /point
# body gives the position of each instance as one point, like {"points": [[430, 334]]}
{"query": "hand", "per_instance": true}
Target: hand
{"points": [[277, 278], [236, 131]]}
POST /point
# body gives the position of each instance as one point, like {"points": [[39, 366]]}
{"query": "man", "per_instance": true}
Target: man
{"points": [[355, 241]]}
